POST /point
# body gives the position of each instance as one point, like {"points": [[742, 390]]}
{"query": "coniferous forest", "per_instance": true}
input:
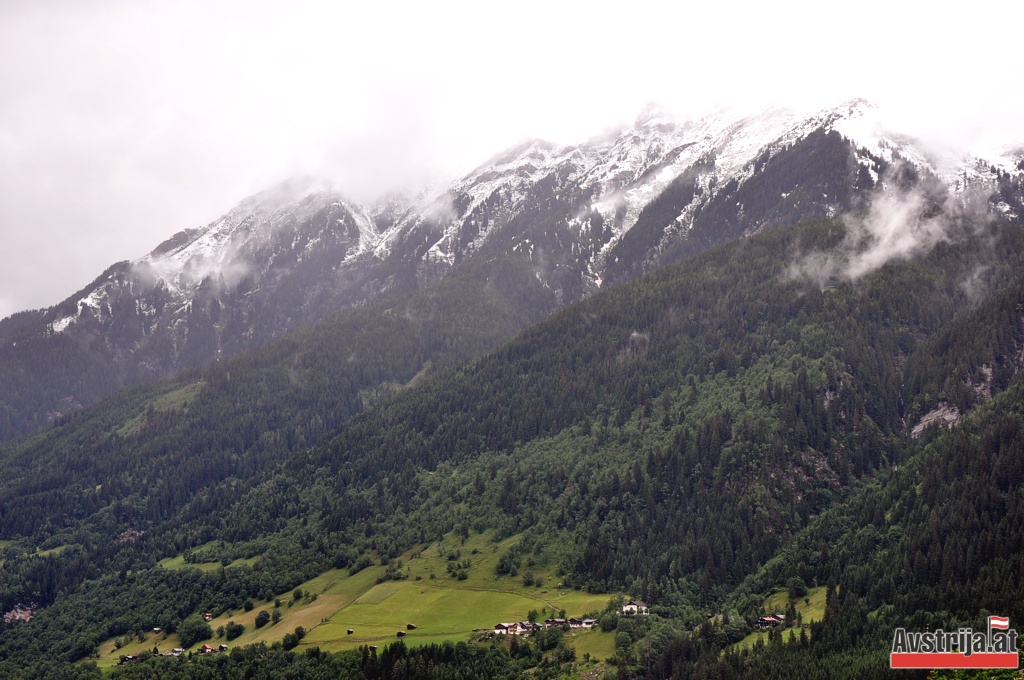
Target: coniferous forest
{"points": [[704, 437]]}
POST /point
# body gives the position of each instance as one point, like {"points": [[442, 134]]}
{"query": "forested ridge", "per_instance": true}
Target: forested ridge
{"points": [[696, 438], [98, 478]]}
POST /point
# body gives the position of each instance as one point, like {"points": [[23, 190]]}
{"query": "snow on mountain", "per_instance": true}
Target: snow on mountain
{"points": [[625, 172], [580, 215], [621, 174], [957, 168], [227, 246], [281, 226], [608, 180]]}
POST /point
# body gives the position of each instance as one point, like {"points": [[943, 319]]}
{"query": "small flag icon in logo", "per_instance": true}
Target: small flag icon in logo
{"points": [[1000, 622]]}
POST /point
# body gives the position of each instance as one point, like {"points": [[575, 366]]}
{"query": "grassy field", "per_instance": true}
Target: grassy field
{"points": [[445, 608], [600, 646], [4, 544], [811, 611], [752, 639], [178, 562], [109, 653], [441, 606], [18, 547], [51, 551]]}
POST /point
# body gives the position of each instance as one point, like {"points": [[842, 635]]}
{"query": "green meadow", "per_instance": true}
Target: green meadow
{"points": [[179, 563], [600, 646], [440, 605], [443, 607], [812, 610]]}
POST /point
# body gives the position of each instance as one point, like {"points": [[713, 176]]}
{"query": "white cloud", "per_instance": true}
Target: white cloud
{"points": [[122, 122], [897, 225]]}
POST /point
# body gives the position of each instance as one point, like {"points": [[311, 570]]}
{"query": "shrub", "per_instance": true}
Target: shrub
{"points": [[193, 630], [262, 619], [291, 640]]}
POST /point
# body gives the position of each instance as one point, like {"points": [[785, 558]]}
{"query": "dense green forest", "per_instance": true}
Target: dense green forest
{"points": [[97, 478], [698, 438]]}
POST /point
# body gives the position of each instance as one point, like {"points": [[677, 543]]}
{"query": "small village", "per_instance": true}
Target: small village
{"points": [[525, 628], [517, 628], [176, 652]]}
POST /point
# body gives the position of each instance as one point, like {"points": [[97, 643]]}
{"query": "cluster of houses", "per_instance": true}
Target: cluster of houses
{"points": [[210, 649], [633, 607], [177, 651], [526, 627], [770, 621]]}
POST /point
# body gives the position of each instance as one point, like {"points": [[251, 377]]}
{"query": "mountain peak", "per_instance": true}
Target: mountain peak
{"points": [[580, 215]]}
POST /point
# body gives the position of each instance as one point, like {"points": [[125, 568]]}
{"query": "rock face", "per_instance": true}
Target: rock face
{"points": [[943, 414], [583, 216]]}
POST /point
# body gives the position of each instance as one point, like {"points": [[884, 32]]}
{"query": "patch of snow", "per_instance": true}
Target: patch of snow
{"points": [[59, 325], [94, 299], [958, 168], [224, 248]]}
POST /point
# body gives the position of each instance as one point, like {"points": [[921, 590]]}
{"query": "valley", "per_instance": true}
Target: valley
{"points": [[728, 368], [445, 608]]}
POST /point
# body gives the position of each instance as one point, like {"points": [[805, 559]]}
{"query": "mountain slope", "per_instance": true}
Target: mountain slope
{"points": [[581, 216], [276, 262], [668, 437], [149, 450], [934, 543]]}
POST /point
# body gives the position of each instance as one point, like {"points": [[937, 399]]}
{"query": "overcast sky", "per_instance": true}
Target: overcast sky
{"points": [[122, 123]]}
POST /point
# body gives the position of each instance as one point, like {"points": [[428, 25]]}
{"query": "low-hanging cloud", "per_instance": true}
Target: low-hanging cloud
{"points": [[896, 226], [113, 137], [441, 212]]}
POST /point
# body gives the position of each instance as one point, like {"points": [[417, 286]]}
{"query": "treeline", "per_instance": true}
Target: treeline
{"points": [[428, 662]]}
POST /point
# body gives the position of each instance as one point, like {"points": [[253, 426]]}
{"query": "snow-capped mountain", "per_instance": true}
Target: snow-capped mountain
{"points": [[583, 216], [264, 242], [615, 206]]}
